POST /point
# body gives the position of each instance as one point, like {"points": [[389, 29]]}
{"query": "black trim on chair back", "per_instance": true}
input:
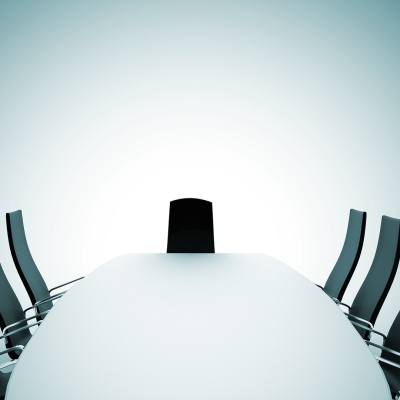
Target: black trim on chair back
{"points": [[190, 227], [372, 293], [346, 264], [26, 267], [11, 312]]}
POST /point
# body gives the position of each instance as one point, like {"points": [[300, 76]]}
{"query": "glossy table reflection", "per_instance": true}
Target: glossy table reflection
{"points": [[196, 326]]}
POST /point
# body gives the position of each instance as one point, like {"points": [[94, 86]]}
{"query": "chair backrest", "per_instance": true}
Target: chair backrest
{"points": [[11, 312], [346, 264], [26, 267], [372, 293], [190, 227]]}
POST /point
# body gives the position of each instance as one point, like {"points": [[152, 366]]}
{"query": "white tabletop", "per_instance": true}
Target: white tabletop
{"points": [[196, 326]]}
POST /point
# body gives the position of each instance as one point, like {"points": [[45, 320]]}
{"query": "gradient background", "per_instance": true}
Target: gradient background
{"points": [[284, 114]]}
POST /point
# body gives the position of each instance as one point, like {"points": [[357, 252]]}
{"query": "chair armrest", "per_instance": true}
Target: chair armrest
{"points": [[18, 330], [18, 347], [12, 362], [67, 283], [22, 320], [8, 364], [370, 330], [333, 298], [359, 319], [339, 303], [43, 301], [47, 299], [385, 360], [382, 348]]}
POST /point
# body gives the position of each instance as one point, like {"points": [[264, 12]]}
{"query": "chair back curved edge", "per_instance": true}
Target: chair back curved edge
{"points": [[346, 264], [24, 263], [11, 312]]}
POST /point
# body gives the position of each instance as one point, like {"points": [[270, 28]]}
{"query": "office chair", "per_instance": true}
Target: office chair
{"points": [[372, 293], [38, 292], [346, 264], [190, 228]]}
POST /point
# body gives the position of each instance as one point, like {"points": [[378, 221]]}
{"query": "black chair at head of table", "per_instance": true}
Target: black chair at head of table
{"points": [[389, 359], [14, 326], [346, 264], [190, 228], [31, 277], [372, 293]]}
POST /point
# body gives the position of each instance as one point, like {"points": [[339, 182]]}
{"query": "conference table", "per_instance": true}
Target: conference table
{"points": [[196, 326]]}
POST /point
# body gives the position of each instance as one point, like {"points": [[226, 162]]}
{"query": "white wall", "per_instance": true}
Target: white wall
{"points": [[284, 114]]}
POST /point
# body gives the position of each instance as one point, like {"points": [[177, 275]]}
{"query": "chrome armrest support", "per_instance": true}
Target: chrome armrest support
{"points": [[335, 299], [43, 301], [18, 347], [386, 361], [64, 284], [382, 348], [8, 364], [19, 330], [46, 299], [23, 320], [12, 362], [359, 319], [339, 303], [370, 330]]}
